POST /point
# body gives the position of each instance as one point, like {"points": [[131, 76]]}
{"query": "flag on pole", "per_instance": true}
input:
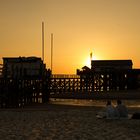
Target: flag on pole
{"points": [[91, 55]]}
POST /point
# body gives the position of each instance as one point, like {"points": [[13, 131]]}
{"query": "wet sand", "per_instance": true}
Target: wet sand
{"points": [[65, 122]]}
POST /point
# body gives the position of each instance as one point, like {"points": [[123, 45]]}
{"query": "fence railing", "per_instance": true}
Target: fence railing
{"points": [[65, 76]]}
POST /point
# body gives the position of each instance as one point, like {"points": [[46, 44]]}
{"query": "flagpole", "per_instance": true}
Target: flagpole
{"points": [[43, 41], [90, 58], [52, 52]]}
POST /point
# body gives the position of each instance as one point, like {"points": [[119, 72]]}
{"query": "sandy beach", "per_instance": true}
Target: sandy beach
{"points": [[65, 122]]}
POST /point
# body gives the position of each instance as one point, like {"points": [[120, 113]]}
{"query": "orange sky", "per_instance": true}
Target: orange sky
{"points": [[108, 28]]}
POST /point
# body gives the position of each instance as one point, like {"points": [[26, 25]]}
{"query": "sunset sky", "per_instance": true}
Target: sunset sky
{"points": [[110, 29]]}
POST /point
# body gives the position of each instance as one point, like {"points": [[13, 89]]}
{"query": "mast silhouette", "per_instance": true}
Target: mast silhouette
{"points": [[52, 52], [43, 41]]}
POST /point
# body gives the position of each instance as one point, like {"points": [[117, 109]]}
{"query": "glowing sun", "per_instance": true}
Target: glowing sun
{"points": [[88, 61]]}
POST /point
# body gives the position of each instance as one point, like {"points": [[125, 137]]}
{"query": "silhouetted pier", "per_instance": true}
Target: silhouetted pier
{"points": [[109, 80], [21, 92], [91, 84]]}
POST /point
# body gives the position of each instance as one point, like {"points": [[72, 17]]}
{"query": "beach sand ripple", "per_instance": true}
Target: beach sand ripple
{"points": [[59, 122]]}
